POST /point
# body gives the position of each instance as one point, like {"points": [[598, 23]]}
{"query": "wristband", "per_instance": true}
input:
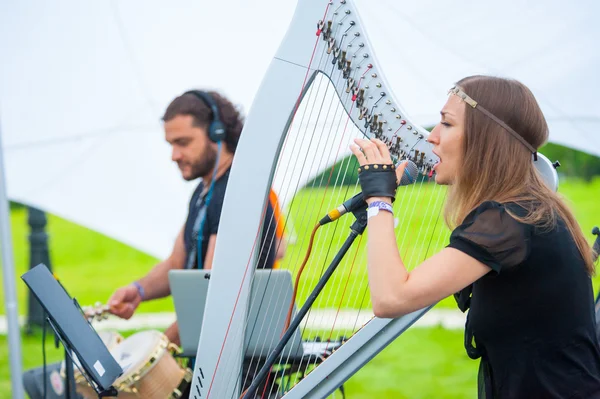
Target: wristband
{"points": [[376, 206], [139, 288], [378, 180]]}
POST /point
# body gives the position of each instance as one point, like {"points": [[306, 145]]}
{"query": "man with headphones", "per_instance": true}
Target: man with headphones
{"points": [[203, 129]]}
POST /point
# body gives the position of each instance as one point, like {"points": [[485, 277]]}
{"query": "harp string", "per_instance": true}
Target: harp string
{"points": [[421, 236], [362, 301], [285, 169], [292, 163], [328, 135], [334, 199], [339, 275], [417, 209], [347, 118], [434, 229], [314, 192], [422, 231], [303, 137]]}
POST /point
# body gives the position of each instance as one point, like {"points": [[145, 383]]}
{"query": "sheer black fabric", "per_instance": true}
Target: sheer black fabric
{"points": [[531, 319]]}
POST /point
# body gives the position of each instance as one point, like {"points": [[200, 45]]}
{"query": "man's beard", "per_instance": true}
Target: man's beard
{"points": [[203, 166]]}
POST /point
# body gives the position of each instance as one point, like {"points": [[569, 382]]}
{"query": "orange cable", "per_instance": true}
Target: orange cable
{"points": [[308, 250]]}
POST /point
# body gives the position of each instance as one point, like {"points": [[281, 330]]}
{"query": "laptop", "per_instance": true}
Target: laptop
{"points": [[270, 298]]}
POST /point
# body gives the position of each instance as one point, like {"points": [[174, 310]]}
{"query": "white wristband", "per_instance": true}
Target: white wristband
{"points": [[376, 206]]}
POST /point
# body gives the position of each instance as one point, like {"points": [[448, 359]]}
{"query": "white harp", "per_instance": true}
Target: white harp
{"points": [[300, 58], [342, 53]]}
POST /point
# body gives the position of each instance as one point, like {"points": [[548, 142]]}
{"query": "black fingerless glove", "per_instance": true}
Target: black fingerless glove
{"points": [[378, 180]]}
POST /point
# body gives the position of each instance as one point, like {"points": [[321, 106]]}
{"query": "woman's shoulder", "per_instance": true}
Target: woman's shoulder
{"points": [[512, 210], [492, 234]]}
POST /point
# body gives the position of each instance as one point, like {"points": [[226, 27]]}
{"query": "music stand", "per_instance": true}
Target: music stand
{"points": [[76, 334]]}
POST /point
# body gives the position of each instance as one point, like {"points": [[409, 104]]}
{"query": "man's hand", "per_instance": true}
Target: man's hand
{"points": [[124, 301], [172, 333]]}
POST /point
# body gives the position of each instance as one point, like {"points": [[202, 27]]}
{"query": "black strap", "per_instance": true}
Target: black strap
{"points": [[193, 250]]}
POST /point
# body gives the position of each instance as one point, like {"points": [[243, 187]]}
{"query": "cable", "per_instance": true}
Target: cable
{"points": [[308, 250]]}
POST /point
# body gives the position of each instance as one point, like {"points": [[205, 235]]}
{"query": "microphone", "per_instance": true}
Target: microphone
{"points": [[411, 171]]}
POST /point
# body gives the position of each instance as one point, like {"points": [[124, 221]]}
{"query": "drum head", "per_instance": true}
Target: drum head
{"points": [[110, 338], [134, 351]]}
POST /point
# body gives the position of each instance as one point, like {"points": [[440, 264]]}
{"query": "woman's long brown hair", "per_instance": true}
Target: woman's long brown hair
{"points": [[498, 167]]}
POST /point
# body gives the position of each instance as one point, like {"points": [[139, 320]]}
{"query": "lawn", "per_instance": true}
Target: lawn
{"points": [[424, 363], [91, 265]]}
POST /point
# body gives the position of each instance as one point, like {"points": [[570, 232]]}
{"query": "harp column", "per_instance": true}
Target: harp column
{"points": [[220, 350]]}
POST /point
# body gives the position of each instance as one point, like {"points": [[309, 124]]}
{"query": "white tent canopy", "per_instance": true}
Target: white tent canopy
{"points": [[83, 86]]}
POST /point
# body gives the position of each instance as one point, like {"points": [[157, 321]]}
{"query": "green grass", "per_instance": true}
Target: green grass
{"points": [[425, 363], [420, 233], [92, 266]]}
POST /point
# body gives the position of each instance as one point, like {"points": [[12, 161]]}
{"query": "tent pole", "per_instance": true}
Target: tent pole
{"points": [[10, 296]]}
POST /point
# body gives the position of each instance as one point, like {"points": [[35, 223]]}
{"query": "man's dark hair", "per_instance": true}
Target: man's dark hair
{"points": [[189, 104]]}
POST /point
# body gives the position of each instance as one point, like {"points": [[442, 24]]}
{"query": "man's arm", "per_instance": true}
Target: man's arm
{"points": [[281, 245], [155, 284], [210, 251], [172, 333]]}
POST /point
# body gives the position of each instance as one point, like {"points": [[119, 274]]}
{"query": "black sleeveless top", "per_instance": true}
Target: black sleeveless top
{"points": [[531, 319], [212, 218]]}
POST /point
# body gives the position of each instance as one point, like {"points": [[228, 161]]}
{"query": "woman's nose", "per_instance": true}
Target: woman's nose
{"points": [[434, 136]]}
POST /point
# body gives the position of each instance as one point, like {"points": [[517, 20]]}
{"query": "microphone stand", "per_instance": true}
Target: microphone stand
{"points": [[357, 228]]}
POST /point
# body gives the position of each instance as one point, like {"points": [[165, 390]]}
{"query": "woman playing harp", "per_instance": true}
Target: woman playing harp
{"points": [[516, 258]]}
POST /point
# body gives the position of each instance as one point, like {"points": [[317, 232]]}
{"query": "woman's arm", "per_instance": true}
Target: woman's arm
{"points": [[394, 290]]}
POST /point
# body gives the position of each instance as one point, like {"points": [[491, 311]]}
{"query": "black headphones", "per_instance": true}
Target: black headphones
{"points": [[216, 129]]}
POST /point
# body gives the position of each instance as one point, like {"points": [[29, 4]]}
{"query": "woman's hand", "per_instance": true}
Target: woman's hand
{"points": [[375, 151]]}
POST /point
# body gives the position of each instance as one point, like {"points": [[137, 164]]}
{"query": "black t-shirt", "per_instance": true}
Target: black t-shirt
{"points": [[211, 224], [531, 319]]}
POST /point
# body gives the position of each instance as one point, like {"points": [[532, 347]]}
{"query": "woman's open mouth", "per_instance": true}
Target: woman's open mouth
{"points": [[439, 161]]}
